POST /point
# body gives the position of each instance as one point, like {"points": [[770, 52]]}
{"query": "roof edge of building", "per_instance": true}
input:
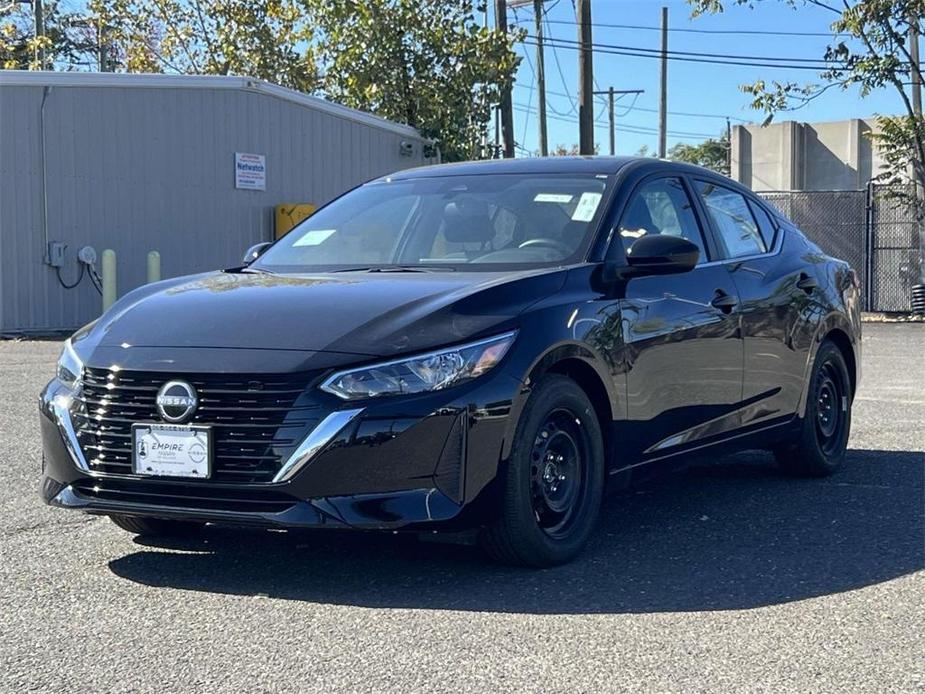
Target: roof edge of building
{"points": [[156, 81]]}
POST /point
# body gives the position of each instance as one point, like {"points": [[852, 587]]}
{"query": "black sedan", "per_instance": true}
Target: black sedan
{"points": [[472, 346]]}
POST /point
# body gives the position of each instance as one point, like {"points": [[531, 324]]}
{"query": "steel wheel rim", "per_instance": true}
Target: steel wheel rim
{"points": [[829, 413], [558, 472]]}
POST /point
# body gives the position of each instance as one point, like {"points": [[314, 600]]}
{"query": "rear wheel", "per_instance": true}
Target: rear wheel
{"points": [[819, 449], [156, 527], [553, 481]]}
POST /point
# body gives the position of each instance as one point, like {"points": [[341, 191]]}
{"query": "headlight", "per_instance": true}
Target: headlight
{"points": [[69, 366], [421, 373]]}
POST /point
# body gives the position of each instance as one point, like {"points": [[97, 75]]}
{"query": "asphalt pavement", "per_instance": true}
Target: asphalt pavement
{"points": [[723, 577]]}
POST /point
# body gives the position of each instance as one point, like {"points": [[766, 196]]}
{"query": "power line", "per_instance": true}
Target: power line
{"points": [[652, 110], [608, 50], [759, 32], [699, 54], [628, 127]]}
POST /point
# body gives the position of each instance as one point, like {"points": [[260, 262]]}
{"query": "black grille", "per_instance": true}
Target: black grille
{"points": [[257, 420], [176, 495]]}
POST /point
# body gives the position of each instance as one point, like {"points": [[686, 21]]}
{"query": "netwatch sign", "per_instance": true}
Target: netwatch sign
{"points": [[250, 171]]}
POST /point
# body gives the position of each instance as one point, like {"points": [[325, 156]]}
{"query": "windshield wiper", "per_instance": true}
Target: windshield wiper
{"points": [[398, 268]]}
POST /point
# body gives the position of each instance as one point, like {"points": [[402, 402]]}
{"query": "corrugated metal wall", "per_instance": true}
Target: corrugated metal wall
{"points": [[138, 168]]}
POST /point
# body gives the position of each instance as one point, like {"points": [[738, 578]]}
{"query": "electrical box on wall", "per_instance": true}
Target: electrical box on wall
{"points": [[55, 256]]}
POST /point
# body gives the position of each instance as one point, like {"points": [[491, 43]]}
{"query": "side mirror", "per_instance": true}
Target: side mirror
{"points": [[255, 252], [661, 254]]}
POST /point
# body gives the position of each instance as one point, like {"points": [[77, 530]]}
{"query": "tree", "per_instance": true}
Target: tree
{"points": [[427, 63], [711, 153], [64, 41], [877, 53], [266, 39], [571, 151]]}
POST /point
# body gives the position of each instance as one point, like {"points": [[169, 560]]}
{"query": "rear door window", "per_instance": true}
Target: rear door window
{"points": [[733, 219]]}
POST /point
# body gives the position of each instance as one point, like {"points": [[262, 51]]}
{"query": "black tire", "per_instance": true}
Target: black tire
{"points": [[156, 527], [553, 481], [819, 449]]}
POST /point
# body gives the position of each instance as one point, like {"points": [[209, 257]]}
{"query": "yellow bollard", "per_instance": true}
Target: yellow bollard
{"points": [[109, 278], [154, 267]]}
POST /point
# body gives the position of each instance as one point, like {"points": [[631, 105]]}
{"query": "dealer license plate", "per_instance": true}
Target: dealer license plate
{"points": [[171, 450]]}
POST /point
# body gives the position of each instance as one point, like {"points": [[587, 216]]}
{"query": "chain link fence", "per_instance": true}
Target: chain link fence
{"points": [[893, 248], [873, 232]]}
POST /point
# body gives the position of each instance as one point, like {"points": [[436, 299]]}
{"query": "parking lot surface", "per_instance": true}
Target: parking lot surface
{"points": [[723, 577]]}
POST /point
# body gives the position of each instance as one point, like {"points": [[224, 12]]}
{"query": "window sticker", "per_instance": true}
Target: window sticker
{"points": [[314, 237], [561, 198], [586, 207]]}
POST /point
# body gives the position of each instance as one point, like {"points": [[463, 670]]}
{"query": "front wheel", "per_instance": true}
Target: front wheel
{"points": [[553, 481], [819, 449]]}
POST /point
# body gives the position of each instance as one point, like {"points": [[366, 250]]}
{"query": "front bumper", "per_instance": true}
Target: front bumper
{"points": [[398, 463], [362, 511]]}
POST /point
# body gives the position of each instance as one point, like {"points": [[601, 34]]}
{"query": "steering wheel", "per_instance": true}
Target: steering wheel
{"points": [[547, 243]]}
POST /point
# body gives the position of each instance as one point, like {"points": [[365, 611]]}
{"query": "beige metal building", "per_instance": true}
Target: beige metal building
{"points": [[190, 166]]}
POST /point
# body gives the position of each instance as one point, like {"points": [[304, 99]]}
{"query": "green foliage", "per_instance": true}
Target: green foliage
{"points": [[427, 63], [64, 40], [712, 154], [267, 39]]}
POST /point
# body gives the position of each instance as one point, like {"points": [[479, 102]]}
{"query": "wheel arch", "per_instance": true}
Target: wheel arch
{"points": [[589, 371], [837, 328], [841, 340]]}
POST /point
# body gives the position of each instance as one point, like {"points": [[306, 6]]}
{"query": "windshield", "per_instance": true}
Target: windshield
{"points": [[454, 222]]}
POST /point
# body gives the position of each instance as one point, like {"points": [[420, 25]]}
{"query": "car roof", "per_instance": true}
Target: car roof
{"points": [[527, 165], [557, 165]]}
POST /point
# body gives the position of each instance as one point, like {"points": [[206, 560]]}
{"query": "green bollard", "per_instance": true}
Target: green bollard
{"points": [[109, 278], [154, 267]]}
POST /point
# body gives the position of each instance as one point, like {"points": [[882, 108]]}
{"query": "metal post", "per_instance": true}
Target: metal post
{"points": [[507, 107], [663, 92], [541, 77], [154, 267], [109, 278], [585, 79], [729, 148]]}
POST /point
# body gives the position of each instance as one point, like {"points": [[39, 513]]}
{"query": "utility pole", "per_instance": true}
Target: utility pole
{"points": [[663, 93], [102, 39], [609, 93], [585, 79], [507, 107], [38, 16], [540, 76], [916, 65]]}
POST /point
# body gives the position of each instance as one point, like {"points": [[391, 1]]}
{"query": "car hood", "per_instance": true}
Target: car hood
{"points": [[357, 313]]}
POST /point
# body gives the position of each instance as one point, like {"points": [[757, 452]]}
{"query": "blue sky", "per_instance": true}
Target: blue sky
{"points": [[692, 87]]}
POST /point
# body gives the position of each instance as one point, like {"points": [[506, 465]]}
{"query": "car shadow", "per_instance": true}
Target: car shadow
{"points": [[732, 535]]}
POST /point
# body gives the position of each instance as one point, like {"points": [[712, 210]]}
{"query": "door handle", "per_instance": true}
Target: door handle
{"points": [[723, 301], [807, 283]]}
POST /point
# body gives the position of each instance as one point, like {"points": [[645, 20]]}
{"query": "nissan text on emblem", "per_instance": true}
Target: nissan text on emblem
{"points": [[176, 401]]}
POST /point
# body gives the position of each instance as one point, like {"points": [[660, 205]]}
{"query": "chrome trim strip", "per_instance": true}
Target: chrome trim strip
{"points": [[317, 438], [60, 405], [775, 250]]}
